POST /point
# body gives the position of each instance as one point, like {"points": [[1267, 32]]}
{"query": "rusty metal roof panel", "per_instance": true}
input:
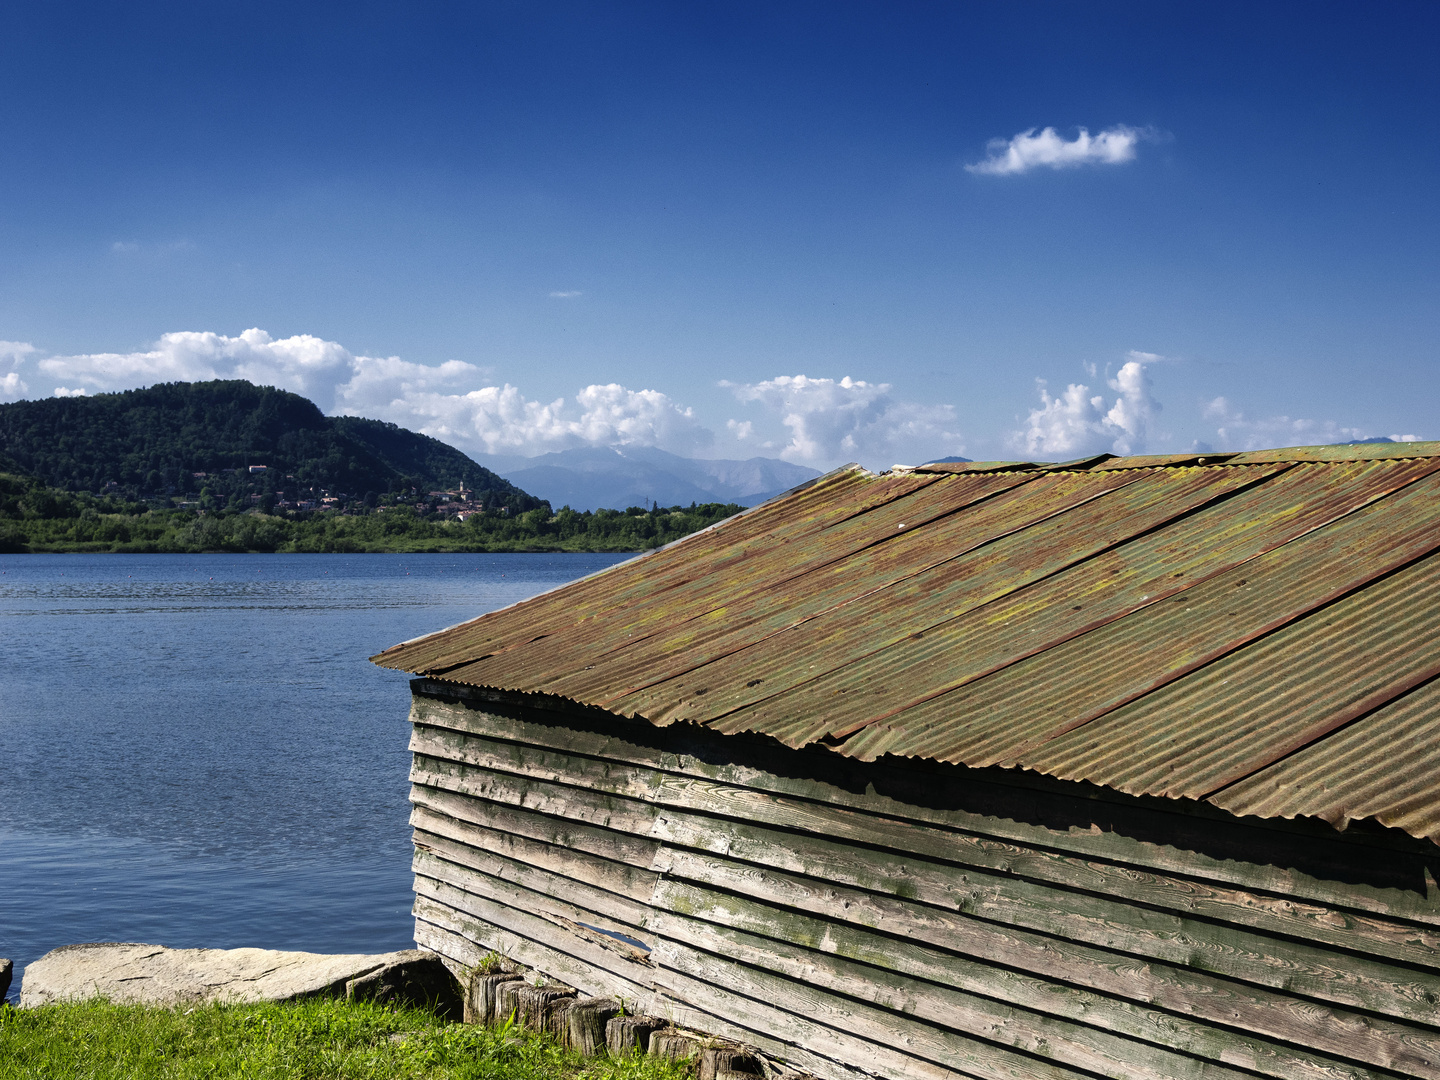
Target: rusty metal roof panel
{"points": [[1381, 767], [1247, 631], [1348, 452], [1256, 513], [842, 494], [687, 628], [1261, 703], [1071, 517], [893, 649], [1008, 718]]}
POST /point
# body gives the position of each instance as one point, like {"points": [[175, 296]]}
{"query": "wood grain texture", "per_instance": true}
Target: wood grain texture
{"points": [[1357, 982], [841, 929], [489, 714], [960, 1030], [1274, 905], [543, 868], [894, 973], [896, 1049], [533, 942], [1079, 915], [585, 1022], [606, 844]]}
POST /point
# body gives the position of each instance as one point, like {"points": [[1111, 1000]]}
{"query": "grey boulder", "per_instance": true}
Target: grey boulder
{"points": [[7, 968], [153, 974]]}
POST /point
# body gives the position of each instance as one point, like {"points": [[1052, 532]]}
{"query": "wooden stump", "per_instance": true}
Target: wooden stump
{"points": [[584, 1022], [535, 1004], [630, 1034], [674, 1046], [722, 1062], [480, 997]]}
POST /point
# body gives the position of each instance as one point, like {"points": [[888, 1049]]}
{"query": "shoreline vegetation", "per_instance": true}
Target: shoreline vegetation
{"points": [[36, 518], [311, 1039]]}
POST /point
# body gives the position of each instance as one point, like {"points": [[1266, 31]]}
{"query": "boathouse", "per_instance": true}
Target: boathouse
{"points": [[1122, 767]]}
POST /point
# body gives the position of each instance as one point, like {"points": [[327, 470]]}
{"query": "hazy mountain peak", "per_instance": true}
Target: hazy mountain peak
{"points": [[587, 478]]}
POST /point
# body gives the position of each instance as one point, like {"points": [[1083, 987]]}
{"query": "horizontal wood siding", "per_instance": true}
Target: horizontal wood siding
{"points": [[842, 928]]}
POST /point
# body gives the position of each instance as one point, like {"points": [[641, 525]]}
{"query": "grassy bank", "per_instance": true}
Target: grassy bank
{"points": [[312, 1040]]}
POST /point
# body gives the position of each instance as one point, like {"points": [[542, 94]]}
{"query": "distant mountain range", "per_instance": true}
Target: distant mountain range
{"points": [[619, 477]]}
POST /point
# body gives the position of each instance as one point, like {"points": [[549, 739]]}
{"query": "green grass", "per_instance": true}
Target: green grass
{"points": [[308, 1040]]}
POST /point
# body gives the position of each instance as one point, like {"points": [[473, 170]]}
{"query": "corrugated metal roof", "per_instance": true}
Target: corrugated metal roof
{"points": [[1255, 630]]}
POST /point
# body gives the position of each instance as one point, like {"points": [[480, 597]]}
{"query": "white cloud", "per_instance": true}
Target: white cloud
{"points": [[15, 351], [825, 421], [448, 401], [612, 414], [501, 420], [1032, 150], [65, 391], [1235, 432], [305, 364], [566, 294], [1077, 422], [12, 355], [831, 422]]}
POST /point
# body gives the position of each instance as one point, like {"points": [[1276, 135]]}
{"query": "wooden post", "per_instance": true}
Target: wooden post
{"points": [[674, 1046], [584, 1024], [719, 1062], [480, 997], [630, 1034], [534, 1005]]}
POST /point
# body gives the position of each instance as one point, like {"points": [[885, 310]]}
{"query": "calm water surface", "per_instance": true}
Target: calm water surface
{"points": [[195, 750]]}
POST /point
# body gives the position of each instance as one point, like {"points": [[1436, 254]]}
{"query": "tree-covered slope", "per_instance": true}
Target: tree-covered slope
{"points": [[412, 454], [152, 442]]}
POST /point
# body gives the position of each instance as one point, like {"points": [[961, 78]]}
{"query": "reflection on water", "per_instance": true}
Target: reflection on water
{"points": [[195, 750]]}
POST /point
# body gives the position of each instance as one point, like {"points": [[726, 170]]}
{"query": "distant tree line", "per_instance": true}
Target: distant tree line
{"points": [[38, 518]]}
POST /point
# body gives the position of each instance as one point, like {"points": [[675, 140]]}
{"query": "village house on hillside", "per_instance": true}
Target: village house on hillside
{"points": [[1123, 767]]}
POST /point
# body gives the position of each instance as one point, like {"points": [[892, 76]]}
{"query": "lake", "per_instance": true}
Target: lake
{"points": [[196, 751]]}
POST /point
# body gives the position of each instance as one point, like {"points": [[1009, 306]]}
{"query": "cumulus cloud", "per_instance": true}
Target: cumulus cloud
{"points": [[825, 421], [1077, 422], [448, 401], [1048, 149], [501, 420], [12, 355], [305, 364], [833, 421], [1234, 431]]}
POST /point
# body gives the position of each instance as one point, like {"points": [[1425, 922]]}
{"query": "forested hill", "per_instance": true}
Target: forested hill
{"points": [[151, 443]]}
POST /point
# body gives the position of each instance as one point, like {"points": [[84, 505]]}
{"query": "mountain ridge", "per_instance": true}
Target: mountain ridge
{"points": [[174, 438]]}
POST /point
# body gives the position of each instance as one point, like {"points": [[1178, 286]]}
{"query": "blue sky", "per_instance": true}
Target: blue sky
{"points": [[733, 229]]}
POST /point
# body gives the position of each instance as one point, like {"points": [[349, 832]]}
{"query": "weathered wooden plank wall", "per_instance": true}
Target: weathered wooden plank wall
{"points": [[920, 922]]}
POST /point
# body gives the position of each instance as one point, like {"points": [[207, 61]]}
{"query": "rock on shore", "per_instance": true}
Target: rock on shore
{"points": [[7, 968], [155, 975]]}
